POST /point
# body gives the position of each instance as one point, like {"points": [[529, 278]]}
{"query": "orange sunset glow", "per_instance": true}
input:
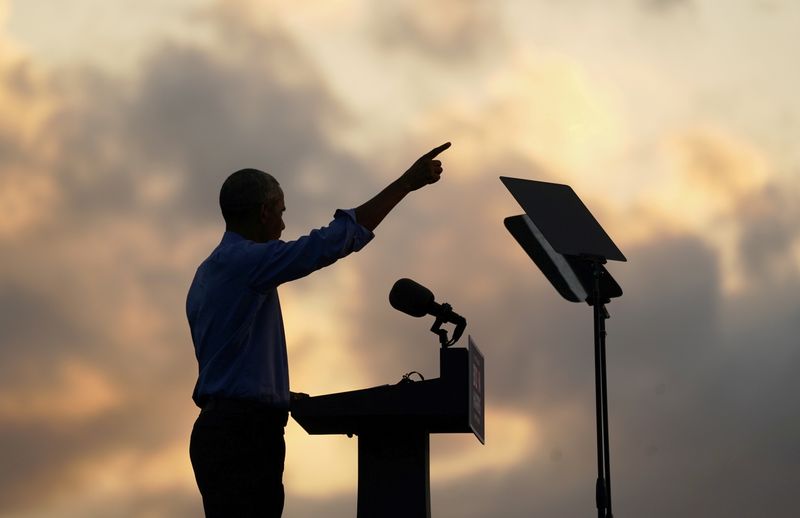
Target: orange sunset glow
{"points": [[676, 121]]}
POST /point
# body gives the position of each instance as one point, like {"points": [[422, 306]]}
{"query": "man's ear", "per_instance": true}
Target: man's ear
{"points": [[263, 214]]}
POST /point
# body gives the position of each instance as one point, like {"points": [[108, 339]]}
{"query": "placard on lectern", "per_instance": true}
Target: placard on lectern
{"points": [[476, 391]]}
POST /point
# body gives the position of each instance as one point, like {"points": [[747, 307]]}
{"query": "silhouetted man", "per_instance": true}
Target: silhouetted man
{"points": [[237, 447]]}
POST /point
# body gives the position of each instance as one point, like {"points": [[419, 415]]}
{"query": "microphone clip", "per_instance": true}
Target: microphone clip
{"points": [[441, 318]]}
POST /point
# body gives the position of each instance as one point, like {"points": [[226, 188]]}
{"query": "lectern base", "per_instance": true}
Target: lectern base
{"points": [[394, 474]]}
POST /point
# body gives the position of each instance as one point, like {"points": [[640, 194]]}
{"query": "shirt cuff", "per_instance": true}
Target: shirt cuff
{"points": [[362, 235]]}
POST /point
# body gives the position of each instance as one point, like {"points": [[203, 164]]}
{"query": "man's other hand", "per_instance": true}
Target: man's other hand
{"points": [[426, 170]]}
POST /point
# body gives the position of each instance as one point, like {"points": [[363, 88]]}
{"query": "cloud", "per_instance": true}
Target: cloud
{"points": [[125, 483], [27, 194], [160, 145], [719, 167], [448, 31], [729, 192], [110, 185], [543, 112], [22, 197], [676, 357], [769, 232], [209, 117], [113, 197], [659, 6], [79, 392]]}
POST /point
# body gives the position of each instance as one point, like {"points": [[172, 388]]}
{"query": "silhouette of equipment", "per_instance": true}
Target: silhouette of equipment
{"points": [[570, 247], [394, 422], [416, 300]]}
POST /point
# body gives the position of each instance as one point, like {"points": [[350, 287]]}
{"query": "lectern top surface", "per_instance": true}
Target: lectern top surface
{"points": [[562, 218]]}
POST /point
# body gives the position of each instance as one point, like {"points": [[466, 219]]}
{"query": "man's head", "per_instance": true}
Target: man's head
{"points": [[252, 205]]}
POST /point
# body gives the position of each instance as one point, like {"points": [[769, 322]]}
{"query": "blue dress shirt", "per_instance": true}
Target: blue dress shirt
{"points": [[235, 315]]}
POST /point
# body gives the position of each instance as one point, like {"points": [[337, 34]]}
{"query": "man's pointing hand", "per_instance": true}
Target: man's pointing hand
{"points": [[426, 170]]}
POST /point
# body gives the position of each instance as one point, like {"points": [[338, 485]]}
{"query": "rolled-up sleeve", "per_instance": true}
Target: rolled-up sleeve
{"points": [[275, 262]]}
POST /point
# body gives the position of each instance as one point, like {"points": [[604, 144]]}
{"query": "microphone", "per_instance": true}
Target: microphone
{"points": [[416, 300]]}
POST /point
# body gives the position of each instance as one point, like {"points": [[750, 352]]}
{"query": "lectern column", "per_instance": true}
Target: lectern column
{"points": [[394, 474]]}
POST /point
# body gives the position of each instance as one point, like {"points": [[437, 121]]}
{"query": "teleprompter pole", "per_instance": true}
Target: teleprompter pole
{"points": [[570, 247], [603, 486]]}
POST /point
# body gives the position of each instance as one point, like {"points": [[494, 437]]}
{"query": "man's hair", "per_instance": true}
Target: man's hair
{"points": [[243, 194]]}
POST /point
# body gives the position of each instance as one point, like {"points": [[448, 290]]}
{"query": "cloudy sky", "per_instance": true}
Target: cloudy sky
{"points": [[677, 121]]}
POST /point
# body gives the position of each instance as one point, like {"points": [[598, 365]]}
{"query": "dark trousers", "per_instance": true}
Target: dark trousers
{"points": [[237, 454]]}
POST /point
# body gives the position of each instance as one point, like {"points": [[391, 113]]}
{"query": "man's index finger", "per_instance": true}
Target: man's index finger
{"points": [[435, 151]]}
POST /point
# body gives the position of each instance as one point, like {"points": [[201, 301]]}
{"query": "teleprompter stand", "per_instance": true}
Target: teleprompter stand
{"points": [[570, 247]]}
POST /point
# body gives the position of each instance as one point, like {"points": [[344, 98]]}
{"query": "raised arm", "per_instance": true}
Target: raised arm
{"points": [[426, 170]]}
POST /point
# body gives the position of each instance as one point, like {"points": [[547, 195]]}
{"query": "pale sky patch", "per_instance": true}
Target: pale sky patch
{"points": [[113, 34], [320, 465], [510, 438], [318, 333], [326, 465]]}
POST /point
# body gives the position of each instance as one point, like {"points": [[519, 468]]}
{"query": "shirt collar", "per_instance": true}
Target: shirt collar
{"points": [[230, 237]]}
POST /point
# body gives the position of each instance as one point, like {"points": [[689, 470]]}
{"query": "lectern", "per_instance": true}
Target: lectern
{"points": [[570, 247], [393, 423]]}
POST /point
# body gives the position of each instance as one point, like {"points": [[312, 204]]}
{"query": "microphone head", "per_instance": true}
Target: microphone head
{"points": [[411, 298]]}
